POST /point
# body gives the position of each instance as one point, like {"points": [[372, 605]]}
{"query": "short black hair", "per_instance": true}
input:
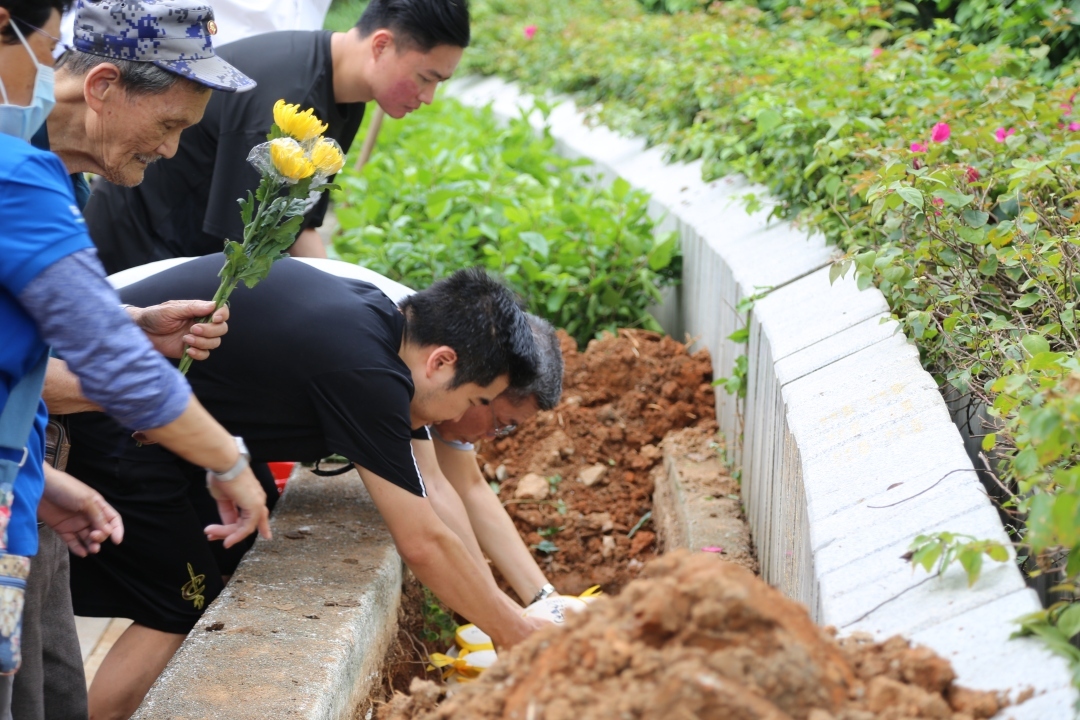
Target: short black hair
{"points": [[483, 322], [546, 387], [425, 24], [30, 14]]}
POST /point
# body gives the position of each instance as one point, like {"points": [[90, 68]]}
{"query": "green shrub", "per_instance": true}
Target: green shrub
{"points": [[841, 110], [450, 188], [1008, 22]]}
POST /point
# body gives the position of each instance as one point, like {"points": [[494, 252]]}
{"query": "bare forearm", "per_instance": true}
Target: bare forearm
{"points": [[494, 529], [308, 244], [198, 438], [62, 392], [499, 538], [439, 559], [445, 501], [454, 576]]}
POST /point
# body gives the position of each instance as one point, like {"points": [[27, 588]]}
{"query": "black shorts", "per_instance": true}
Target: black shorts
{"points": [[165, 572]]}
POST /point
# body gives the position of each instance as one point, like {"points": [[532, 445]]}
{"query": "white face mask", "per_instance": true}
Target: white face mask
{"points": [[23, 122]]}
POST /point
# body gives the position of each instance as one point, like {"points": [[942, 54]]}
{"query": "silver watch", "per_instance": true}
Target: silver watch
{"points": [[238, 467], [543, 592]]}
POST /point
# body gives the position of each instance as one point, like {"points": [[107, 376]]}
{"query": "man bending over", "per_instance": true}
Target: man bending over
{"points": [[313, 365]]}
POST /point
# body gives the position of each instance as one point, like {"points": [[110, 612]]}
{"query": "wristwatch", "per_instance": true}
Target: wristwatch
{"points": [[238, 467], [543, 592]]}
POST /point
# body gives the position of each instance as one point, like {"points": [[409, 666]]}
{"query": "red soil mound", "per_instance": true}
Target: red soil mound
{"points": [[620, 398], [697, 637]]}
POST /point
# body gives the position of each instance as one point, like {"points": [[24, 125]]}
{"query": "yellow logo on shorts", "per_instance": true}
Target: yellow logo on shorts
{"points": [[193, 589]]}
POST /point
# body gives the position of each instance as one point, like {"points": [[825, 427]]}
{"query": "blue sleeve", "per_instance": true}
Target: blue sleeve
{"points": [[79, 315], [41, 222]]}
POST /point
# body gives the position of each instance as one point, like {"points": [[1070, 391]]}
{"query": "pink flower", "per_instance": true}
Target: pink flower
{"points": [[940, 133], [1001, 133], [876, 51], [530, 31], [1067, 108], [972, 174], [938, 201], [1074, 126], [918, 147]]}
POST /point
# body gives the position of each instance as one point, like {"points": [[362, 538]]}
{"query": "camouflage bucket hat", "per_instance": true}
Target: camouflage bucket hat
{"points": [[172, 34]]}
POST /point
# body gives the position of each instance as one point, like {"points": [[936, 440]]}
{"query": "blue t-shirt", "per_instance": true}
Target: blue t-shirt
{"points": [[41, 224]]}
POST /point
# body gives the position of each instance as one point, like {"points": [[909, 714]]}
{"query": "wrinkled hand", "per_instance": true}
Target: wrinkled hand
{"points": [[170, 327], [78, 513], [242, 506]]}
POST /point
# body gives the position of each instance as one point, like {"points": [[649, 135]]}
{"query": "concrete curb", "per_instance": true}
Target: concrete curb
{"points": [[696, 505], [303, 628], [840, 420]]}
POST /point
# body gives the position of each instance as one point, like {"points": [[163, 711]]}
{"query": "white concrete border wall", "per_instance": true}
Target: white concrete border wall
{"points": [[841, 424]]}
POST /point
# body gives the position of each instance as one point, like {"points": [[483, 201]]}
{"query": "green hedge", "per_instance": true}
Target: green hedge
{"points": [[1015, 22], [450, 188], [945, 171]]}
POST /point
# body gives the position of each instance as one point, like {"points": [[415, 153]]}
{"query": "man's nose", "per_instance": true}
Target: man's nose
{"points": [[169, 145]]}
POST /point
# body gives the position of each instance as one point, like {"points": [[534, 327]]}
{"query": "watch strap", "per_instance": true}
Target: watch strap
{"points": [[241, 464]]}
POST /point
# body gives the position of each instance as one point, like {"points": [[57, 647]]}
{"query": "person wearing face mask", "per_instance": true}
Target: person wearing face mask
{"points": [[53, 292]]}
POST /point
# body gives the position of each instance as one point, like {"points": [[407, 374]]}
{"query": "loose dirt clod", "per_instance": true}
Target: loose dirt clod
{"points": [[596, 451], [697, 637], [532, 487]]}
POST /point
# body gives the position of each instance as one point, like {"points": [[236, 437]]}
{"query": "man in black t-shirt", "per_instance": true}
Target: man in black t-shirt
{"points": [[314, 365], [397, 55]]}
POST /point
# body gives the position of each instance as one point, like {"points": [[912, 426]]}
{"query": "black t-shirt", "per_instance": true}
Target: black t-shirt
{"points": [[310, 367], [186, 205]]}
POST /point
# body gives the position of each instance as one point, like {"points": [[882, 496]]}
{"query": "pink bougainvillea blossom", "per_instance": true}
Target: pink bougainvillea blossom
{"points": [[1074, 126], [876, 51], [1001, 133], [530, 31], [1067, 108], [972, 174], [940, 133], [918, 147], [938, 201]]}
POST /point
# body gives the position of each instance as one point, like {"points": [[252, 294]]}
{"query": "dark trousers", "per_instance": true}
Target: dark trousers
{"points": [[50, 684]]}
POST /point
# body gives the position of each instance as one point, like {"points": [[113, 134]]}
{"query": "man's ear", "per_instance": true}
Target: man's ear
{"points": [[441, 360], [102, 82], [382, 41]]}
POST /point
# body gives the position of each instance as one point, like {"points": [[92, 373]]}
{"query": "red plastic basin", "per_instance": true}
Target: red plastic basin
{"points": [[281, 472]]}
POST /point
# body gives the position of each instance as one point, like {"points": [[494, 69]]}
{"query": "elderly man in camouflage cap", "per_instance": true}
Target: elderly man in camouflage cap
{"points": [[138, 74]]}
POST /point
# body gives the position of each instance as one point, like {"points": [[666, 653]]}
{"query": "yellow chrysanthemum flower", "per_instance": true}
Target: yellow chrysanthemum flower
{"points": [[303, 126], [289, 159], [327, 157]]}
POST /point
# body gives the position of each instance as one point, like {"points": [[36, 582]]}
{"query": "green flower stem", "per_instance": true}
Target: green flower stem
{"points": [[262, 239], [228, 284]]}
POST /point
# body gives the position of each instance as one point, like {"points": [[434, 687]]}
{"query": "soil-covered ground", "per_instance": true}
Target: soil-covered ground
{"points": [[591, 458], [699, 637]]}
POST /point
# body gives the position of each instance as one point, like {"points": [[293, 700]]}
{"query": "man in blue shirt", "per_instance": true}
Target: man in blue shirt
{"points": [[53, 291]]}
